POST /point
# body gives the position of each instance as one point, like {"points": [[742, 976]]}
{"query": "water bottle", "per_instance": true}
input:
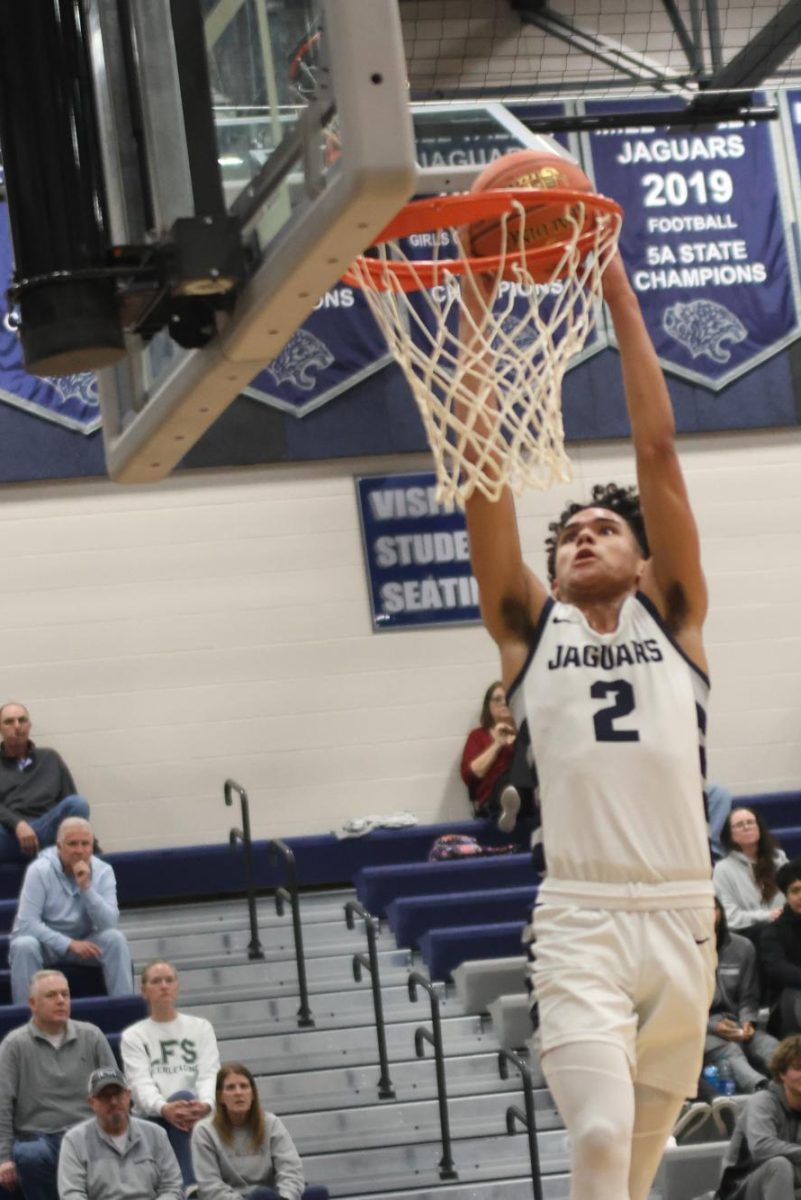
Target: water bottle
{"points": [[711, 1075], [726, 1083]]}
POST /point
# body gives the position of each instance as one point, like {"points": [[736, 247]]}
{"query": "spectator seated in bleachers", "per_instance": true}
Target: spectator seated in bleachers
{"points": [[498, 786], [68, 913], [780, 955], [36, 789], [745, 878], [43, 1071], [242, 1150], [732, 1037], [763, 1161], [112, 1155], [171, 1062]]}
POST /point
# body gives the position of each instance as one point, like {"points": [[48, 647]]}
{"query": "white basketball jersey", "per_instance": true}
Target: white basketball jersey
{"points": [[616, 726]]}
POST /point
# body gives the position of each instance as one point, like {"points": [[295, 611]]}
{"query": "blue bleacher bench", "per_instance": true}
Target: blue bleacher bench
{"points": [[377, 887], [443, 950], [411, 916]]}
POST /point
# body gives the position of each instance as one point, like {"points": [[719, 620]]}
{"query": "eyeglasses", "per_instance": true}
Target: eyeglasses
{"points": [[747, 824]]}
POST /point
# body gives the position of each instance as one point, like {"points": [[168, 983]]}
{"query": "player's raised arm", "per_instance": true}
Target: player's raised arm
{"points": [[511, 595], [673, 577]]}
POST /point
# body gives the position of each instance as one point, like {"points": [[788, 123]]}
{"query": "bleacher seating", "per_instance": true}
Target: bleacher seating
{"points": [[321, 859], [377, 887], [479, 980], [109, 1013], [445, 949], [458, 912], [410, 917]]}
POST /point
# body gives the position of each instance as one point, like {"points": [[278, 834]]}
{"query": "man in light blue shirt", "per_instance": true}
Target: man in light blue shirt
{"points": [[68, 913]]}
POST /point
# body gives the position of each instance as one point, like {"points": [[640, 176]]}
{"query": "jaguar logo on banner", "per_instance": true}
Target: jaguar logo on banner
{"points": [[69, 400], [338, 346]]}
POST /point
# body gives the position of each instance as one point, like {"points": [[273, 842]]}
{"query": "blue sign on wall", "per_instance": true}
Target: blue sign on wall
{"points": [[416, 554], [704, 239]]}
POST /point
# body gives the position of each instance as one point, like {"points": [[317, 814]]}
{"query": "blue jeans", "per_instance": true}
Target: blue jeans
{"points": [[179, 1140], [27, 955], [36, 1160], [45, 827]]}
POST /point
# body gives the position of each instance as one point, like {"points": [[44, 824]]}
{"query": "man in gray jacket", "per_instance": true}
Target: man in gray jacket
{"points": [[43, 1069], [114, 1156], [763, 1161], [68, 912]]}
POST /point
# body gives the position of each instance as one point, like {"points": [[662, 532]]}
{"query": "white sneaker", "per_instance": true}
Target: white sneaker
{"points": [[510, 807]]}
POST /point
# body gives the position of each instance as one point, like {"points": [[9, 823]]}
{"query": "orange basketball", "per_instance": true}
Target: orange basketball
{"points": [[546, 224]]}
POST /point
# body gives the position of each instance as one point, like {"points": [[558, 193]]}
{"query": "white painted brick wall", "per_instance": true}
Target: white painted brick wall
{"points": [[167, 637]]}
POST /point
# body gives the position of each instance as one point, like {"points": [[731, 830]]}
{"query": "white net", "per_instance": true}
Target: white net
{"points": [[485, 354]]}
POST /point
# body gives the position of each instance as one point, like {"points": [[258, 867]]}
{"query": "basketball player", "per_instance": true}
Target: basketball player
{"points": [[606, 674]]}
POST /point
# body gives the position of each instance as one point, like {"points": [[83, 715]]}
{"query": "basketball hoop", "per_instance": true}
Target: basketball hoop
{"points": [[484, 342]]}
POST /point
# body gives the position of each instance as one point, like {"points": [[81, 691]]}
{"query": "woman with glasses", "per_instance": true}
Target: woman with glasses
{"points": [[745, 879]]}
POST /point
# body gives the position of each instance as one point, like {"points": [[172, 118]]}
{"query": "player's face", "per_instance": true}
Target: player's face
{"points": [[744, 828], [597, 557], [499, 710]]}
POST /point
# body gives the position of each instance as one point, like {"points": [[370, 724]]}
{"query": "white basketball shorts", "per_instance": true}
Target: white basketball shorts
{"points": [[638, 977]]}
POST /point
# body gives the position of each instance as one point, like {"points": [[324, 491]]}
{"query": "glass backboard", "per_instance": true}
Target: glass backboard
{"points": [[315, 145]]}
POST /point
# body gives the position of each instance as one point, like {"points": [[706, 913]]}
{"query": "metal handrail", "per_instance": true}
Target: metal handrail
{"points": [[255, 948], [369, 962], [447, 1170], [527, 1118], [290, 895]]}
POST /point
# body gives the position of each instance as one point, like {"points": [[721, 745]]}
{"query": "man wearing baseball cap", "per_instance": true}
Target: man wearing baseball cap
{"points": [[114, 1156]]}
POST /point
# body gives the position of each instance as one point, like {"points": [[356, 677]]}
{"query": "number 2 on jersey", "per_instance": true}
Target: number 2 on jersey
{"points": [[622, 706]]}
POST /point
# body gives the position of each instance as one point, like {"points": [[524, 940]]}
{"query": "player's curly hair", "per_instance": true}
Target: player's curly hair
{"points": [[624, 501]]}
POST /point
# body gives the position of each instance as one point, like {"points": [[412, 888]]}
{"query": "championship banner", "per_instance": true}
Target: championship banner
{"points": [[704, 240], [68, 400], [336, 347], [416, 554]]}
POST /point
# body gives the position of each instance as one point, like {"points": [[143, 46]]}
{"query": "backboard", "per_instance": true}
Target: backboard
{"points": [[315, 145]]}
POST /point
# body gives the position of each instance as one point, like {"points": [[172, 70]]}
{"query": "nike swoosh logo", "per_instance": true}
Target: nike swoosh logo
{"points": [[563, 620], [700, 941]]}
